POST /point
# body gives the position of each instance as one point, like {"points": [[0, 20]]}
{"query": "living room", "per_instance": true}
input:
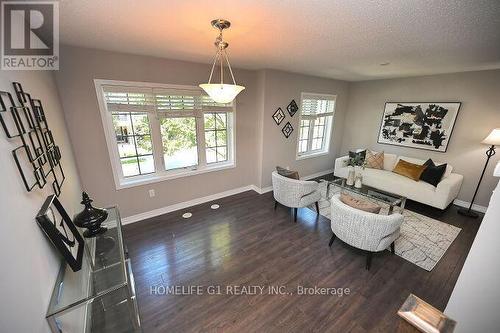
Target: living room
{"points": [[202, 215]]}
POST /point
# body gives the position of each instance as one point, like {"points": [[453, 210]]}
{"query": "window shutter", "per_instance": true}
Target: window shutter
{"points": [[128, 99], [317, 105], [177, 101], [164, 102]]}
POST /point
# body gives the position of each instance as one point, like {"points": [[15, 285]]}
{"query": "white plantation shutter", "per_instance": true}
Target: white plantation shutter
{"points": [[128, 99], [165, 102], [315, 105], [176, 102]]}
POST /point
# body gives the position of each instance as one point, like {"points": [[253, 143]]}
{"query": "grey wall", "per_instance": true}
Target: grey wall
{"points": [[79, 67], [279, 89], [479, 93], [260, 145], [29, 262], [475, 299]]}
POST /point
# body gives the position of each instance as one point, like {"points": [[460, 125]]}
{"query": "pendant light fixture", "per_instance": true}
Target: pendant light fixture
{"points": [[221, 92]]}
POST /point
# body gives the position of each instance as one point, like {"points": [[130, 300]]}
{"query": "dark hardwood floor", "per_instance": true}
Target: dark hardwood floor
{"points": [[247, 243]]}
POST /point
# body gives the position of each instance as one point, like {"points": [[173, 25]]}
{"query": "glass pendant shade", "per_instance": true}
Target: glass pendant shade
{"points": [[220, 92]]}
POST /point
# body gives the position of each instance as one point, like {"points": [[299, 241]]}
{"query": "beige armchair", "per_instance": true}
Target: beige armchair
{"points": [[294, 193], [366, 231]]}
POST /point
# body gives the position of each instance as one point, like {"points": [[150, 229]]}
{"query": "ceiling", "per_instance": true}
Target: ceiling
{"points": [[342, 39]]}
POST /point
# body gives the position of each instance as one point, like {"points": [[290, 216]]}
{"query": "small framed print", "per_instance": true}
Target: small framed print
{"points": [[292, 108], [278, 116], [59, 228], [287, 130]]}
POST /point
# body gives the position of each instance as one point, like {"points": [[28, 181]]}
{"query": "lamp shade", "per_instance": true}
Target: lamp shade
{"points": [[222, 93], [493, 139]]}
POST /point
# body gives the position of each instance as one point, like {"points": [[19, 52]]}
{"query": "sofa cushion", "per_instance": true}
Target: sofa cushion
{"points": [[433, 173], [448, 171], [390, 161], [374, 160], [410, 170], [287, 173], [360, 204], [357, 157]]}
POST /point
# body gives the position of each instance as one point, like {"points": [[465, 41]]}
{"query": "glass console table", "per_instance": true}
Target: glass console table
{"points": [[101, 296]]}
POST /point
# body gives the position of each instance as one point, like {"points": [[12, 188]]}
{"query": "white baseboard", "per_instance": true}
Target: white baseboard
{"points": [[197, 201], [465, 204], [318, 174], [270, 188], [185, 204], [261, 190]]}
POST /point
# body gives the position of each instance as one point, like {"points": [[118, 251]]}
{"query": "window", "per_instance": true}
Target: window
{"points": [[315, 124], [157, 132]]}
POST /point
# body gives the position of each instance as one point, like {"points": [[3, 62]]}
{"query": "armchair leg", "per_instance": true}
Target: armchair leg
{"points": [[317, 207], [393, 251], [275, 204], [332, 239], [368, 260], [295, 214]]}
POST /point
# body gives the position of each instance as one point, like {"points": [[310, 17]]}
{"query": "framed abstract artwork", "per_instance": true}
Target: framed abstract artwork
{"points": [[418, 125], [58, 227]]}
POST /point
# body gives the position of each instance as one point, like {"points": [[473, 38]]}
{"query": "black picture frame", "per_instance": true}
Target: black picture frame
{"points": [[450, 128], [287, 129], [52, 226], [279, 116], [292, 108]]}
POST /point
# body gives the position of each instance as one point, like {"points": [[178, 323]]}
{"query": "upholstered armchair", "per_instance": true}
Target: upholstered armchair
{"points": [[366, 231], [294, 193]]}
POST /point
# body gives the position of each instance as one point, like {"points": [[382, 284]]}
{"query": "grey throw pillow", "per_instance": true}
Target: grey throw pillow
{"points": [[287, 173]]}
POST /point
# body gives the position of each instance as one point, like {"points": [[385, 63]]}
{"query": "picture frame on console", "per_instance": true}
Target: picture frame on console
{"points": [[421, 125], [62, 233]]}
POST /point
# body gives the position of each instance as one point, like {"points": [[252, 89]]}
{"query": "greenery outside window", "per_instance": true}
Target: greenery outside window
{"points": [[156, 132], [315, 124]]}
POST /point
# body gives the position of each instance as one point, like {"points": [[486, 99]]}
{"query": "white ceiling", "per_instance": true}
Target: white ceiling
{"points": [[343, 39]]}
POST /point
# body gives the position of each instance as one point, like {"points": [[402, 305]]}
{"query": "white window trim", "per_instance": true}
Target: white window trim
{"points": [[328, 134], [161, 175]]}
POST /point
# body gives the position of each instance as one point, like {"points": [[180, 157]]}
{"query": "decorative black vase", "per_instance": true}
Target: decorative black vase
{"points": [[90, 218]]}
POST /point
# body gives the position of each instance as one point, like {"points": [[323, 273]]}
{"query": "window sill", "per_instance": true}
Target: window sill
{"points": [[312, 155], [128, 183]]}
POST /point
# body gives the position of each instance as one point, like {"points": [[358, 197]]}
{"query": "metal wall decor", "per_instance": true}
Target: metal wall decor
{"points": [[278, 116], [292, 108], [57, 225], [38, 158], [287, 129]]}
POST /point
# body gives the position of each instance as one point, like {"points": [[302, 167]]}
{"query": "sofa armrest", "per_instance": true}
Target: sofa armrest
{"points": [[450, 186], [341, 162]]}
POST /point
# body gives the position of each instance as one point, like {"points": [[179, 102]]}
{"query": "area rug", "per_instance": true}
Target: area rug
{"points": [[423, 241]]}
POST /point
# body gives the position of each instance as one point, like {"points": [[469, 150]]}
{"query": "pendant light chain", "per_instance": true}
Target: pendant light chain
{"points": [[221, 92], [219, 55]]}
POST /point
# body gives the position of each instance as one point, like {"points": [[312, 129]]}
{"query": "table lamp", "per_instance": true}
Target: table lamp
{"points": [[492, 140]]}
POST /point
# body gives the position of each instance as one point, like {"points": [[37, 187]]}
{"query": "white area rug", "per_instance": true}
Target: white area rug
{"points": [[423, 241]]}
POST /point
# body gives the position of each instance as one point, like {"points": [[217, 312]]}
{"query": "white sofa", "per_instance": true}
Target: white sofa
{"points": [[386, 180]]}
